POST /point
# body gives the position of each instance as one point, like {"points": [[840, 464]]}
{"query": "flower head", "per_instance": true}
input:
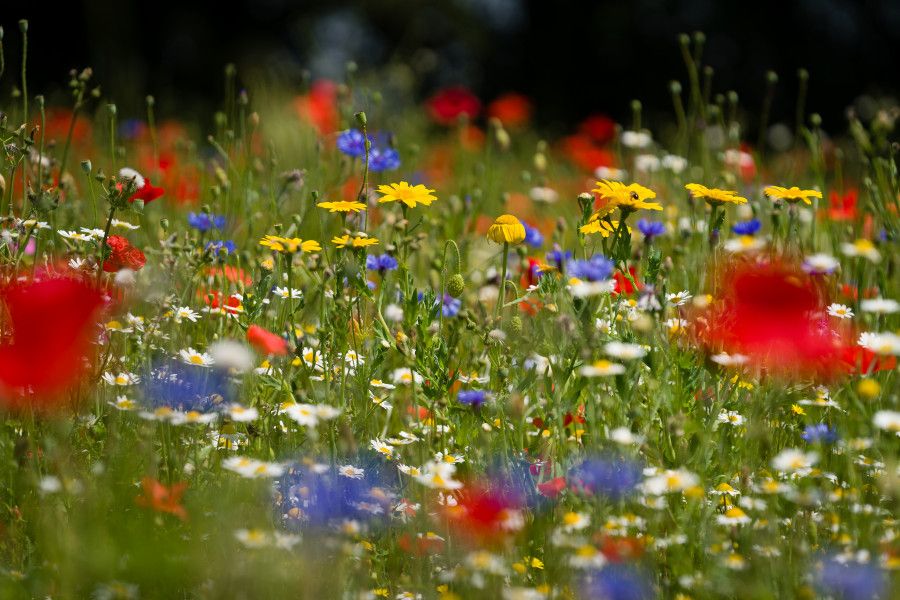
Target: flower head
{"points": [[792, 194], [356, 241], [506, 230], [410, 195], [289, 245], [626, 198], [714, 196], [343, 206]]}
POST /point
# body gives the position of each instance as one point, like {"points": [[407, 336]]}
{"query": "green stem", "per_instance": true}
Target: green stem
{"points": [[501, 297]]}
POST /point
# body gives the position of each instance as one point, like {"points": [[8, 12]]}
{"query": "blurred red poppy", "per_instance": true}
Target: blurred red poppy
{"points": [[50, 324], [600, 128], [842, 207], [161, 498], [552, 488], [449, 104], [147, 193], [483, 516], [122, 255], [513, 110], [266, 342], [319, 106], [770, 313], [624, 285]]}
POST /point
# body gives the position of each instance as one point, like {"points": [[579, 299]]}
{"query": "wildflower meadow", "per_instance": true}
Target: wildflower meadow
{"points": [[337, 342]]}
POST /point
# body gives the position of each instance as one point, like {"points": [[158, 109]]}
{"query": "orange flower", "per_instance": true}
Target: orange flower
{"points": [[161, 498]]}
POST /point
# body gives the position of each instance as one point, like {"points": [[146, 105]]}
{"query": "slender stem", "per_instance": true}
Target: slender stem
{"points": [[112, 213], [501, 297]]}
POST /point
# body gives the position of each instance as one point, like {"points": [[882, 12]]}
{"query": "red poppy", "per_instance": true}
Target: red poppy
{"points": [[161, 498], [770, 313], [482, 516], [552, 488], [582, 151], [148, 192], [50, 323], [624, 285], [513, 110], [600, 128], [122, 255], [621, 549], [864, 361], [842, 207], [266, 342], [232, 274], [449, 104], [319, 106]]}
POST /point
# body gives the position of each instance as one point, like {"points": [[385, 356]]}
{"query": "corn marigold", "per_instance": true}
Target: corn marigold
{"points": [[357, 241], [506, 230], [344, 206], [289, 245], [792, 194], [410, 195], [626, 198], [714, 196]]}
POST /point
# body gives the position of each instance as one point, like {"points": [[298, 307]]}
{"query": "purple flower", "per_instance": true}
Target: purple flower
{"points": [[596, 268], [610, 476], [618, 582], [558, 257], [386, 159], [850, 581], [183, 387], [473, 398], [205, 222], [533, 237], [450, 306], [219, 246], [819, 433], [381, 263], [747, 227], [651, 229], [352, 143]]}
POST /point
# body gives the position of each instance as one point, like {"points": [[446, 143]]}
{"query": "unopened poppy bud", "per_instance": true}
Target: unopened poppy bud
{"points": [[515, 325], [675, 86], [540, 162], [815, 120], [361, 118], [151, 101], [112, 109], [802, 74], [684, 39], [772, 77], [456, 285], [86, 166], [23, 25]]}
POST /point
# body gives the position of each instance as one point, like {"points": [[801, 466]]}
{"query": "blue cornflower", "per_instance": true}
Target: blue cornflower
{"points": [[558, 257], [609, 476], [747, 227], [205, 222], [473, 398], [381, 262], [450, 306], [183, 387], [651, 229], [383, 159], [819, 433], [596, 268], [352, 143], [219, 246], [618, 582], [533, 237], [850, 580]]}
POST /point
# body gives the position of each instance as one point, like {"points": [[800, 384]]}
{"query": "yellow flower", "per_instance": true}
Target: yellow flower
{"points": [[598, 225], [797, 409], [714, 196], [793, 194], [506, 230], [342, 206], [289, 245], [626, 198], [355, 242], [410, 195]]}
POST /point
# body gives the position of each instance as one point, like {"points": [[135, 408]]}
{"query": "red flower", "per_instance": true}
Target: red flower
{"points": [[50, 323], [266, 342], [623, 284], [319, 106], [842, 208], [449, 104], [161, 498], [513, 110], [122, 255], [552, 488], [770, 313], [147, 193], [582, 151], [482, 516], [600, 128]]}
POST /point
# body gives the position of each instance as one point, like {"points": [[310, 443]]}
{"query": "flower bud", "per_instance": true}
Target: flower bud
{"points": [[456, 285]]}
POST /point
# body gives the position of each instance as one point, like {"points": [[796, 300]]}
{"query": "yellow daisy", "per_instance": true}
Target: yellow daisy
{"points": [[792, 194], [598, 225], [342, 206], [506, 230], [289, 245], [626, 198], [714, 196], [354, 242], [410, 195]]}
